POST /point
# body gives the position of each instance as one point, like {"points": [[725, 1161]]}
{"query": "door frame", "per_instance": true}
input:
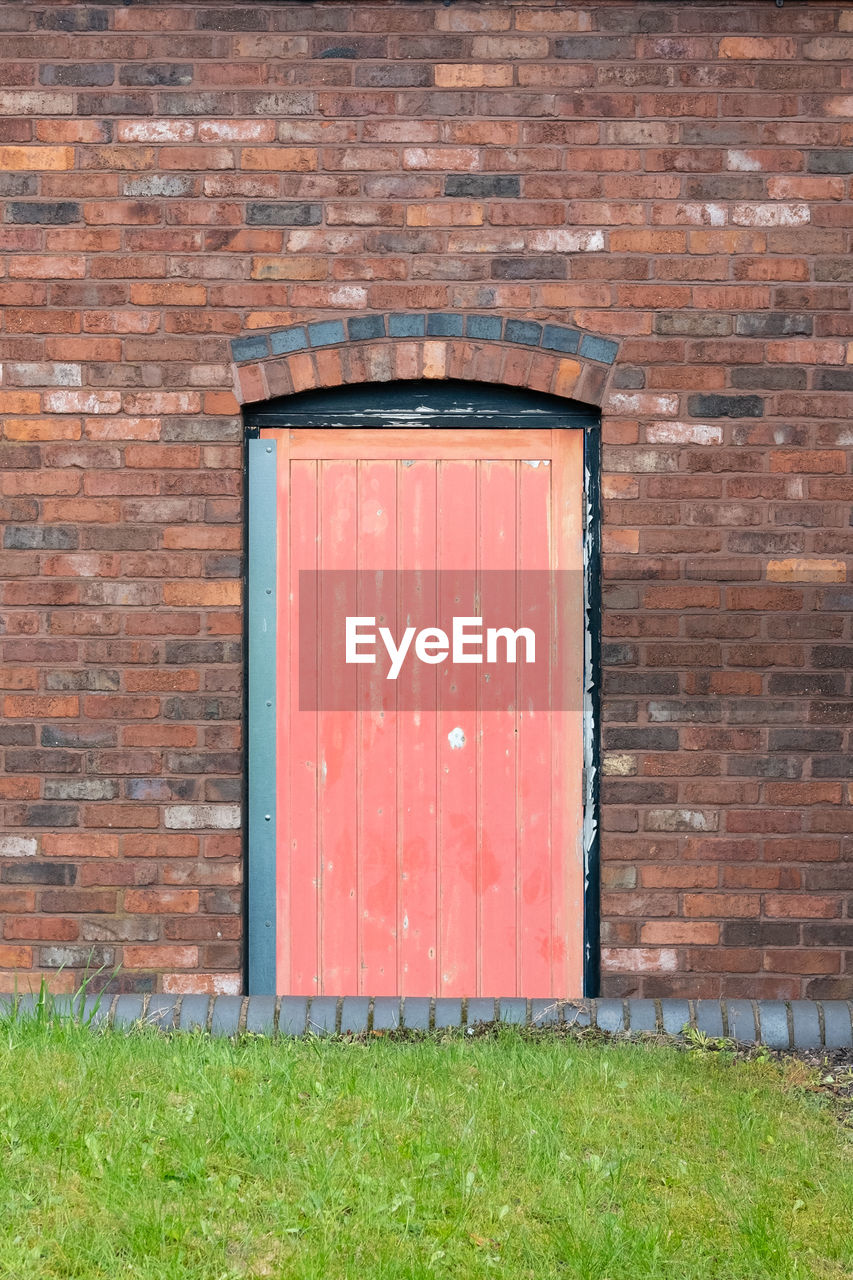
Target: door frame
{"points": [[376, 405]]}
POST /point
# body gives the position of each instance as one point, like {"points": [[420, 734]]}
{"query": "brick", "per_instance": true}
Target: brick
{"points": [[154, 957], [161, 901], [758, 48], [199, 817], [43, 159], [74, 845], [293, 214], [672, 933], [39, 707], [18, 846]]}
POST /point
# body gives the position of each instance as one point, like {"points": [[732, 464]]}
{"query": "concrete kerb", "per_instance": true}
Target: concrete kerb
{"points": [[778, 1024]]}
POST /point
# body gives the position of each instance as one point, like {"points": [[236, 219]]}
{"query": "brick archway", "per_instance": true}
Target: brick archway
{"points": [[552, 358]]}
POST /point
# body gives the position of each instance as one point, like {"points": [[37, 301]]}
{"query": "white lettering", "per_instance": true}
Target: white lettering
{"points": [[394, 653], [511, 638], [353, 640], [461, 638], [432, 645]]}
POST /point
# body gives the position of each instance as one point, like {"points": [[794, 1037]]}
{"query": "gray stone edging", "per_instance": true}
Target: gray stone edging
{"points": [[778, 1024], [557, 338]]}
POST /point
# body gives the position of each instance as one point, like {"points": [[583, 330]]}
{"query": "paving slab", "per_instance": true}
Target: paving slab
{"points": [[416, 1013], [741, 1017], [448, 1012], [642, 1015], [837, 1024], [128, 1010], [610, 1015], [386, 1013], [354, 1015], [709, 1018], [513, 1011], [194, 1011], [546, 1013], [773, 1021], [675, 1016], [480, 1010], [161, 1012], [293, 1016], [260, 1015], [806, 1024], [225, 1020], [323, 1016]]}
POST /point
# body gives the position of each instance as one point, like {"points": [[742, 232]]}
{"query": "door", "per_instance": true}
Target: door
{"points": [[428, 822]]}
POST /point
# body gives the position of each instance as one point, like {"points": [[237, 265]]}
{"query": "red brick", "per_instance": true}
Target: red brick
{"points": [[41, 707], [675, 933], [40, 929], [161, 901], [39, 158], [143, 957], [721, 906], [170, 844], [72, 845], [802, 907]]}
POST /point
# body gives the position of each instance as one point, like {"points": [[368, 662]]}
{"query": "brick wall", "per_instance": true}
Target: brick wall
{"points": [[674, 176]]}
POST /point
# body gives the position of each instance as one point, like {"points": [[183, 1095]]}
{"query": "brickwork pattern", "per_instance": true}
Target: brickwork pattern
{"points": [[671, 177]]}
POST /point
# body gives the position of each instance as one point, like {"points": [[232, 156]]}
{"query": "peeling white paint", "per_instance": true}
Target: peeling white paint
{"points": [[456, 738]]}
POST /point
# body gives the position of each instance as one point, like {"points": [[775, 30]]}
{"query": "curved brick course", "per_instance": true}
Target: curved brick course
{"points": [[556, 358], [794, 1024]]}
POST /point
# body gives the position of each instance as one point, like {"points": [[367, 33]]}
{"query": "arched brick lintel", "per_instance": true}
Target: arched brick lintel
{"points": [[550, 358]]}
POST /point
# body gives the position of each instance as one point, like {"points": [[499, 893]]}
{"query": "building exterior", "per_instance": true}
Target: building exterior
{"points": [[641, 208]]}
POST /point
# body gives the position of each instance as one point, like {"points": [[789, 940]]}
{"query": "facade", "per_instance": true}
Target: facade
{"points": [[642, 209]]}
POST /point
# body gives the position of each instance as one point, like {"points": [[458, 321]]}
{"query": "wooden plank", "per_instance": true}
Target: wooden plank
{"points": [[536, 782], [457, 729], [299, 743], [496, 736], [417, 785], [408, 443], [567, 723], [377, 734], [338, 782]]}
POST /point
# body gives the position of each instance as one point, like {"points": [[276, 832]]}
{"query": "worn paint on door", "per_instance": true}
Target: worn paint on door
{"points": [[437, 851]]}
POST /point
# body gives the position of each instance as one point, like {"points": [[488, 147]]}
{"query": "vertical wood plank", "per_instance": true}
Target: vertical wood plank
{"points": [[567, 723], [496, 737], [377, 733], [536, 782], [299, 747], [338, 784], [418, 728], [457, 746]]}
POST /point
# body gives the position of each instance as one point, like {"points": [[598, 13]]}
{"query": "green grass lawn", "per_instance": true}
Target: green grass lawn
{"points": [[153, 1158]]}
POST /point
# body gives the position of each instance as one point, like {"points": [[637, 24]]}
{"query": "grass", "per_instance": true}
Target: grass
{"points": [[155, 1158]]}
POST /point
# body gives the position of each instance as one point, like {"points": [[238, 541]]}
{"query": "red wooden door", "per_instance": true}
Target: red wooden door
{"points": [[432, 847]]}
